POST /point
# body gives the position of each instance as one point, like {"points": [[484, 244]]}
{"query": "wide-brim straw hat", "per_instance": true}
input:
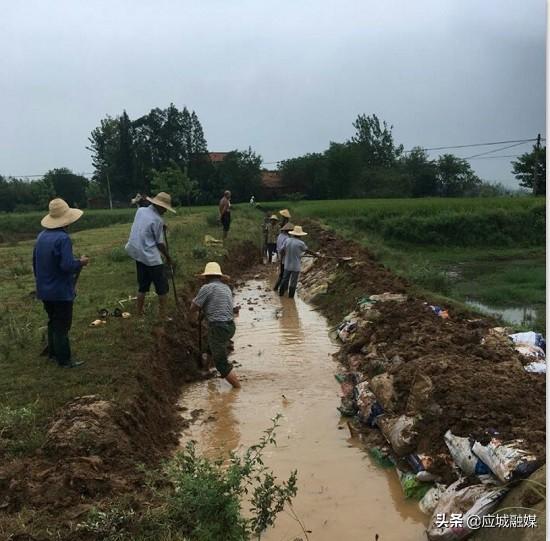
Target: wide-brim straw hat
{"points": [[285, 213], [298, 231], [213, 269], [162, 199], [287, 227], [273, 217], [60, 214]]}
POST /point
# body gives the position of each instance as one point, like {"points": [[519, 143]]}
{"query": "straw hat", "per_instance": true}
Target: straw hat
{"points": [[273, 217], [60, 214], [285, 213], [287, 227], [162, 199], [213, 269], [298, 231]]}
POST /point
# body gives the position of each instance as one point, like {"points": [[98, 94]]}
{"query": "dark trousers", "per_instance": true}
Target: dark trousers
{"points": [[280, 278], [290, 281], [60, 319], [271, 249]]}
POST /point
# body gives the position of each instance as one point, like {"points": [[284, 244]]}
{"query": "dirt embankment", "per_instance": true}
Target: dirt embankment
{"points": [[94, 446], [476, 381]]}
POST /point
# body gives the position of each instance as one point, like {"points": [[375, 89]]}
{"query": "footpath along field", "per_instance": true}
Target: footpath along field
{"points": [[486, 252]]}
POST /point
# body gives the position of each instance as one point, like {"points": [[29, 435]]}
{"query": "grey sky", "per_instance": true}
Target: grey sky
{"points": [[284, 77]]}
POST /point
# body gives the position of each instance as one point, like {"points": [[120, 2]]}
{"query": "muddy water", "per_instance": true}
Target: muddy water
{"points": [[284, 353]]}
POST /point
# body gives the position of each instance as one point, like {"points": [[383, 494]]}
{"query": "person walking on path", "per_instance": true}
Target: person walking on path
{"points": [[225, 212], [273, 229], [55, 270], [285, 217], [281, 239], [146, 245], [215, 299], [293, 249]]}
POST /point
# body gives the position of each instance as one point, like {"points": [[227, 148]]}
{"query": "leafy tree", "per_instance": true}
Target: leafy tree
{"points": [[375, 141], [240, 172], [422, 173], [530, 170], [455, 177], [177, 183], [68, 185]]}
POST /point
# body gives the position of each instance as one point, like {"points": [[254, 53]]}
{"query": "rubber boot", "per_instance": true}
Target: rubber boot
{"points": [[291, 291]]}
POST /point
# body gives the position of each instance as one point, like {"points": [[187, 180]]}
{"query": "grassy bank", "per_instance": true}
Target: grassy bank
{"points": [[489, 250], [32, 389]]}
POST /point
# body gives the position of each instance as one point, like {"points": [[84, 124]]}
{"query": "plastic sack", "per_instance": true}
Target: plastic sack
{"points": [[381, 457], [346, 330], [467, 501], [412, 487], [384, 297], [507, 460], [416, 462], [400, 433], [463, 456], [531, 338], [382, 387], [530, 351], [430, 500], [536, 367]]}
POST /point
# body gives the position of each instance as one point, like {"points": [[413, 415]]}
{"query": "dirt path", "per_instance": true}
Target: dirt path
{"points": [[286, 364]]}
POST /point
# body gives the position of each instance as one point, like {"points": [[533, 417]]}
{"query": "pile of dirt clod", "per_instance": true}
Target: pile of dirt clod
{"points": [[94, 445], [446, 372]]}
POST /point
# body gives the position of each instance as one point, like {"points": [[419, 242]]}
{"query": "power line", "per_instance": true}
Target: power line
{"points": [[494, 150], [494, 157]]}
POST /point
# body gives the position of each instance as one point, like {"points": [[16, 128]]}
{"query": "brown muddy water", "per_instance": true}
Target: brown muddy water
{"points": [[284, 357]]}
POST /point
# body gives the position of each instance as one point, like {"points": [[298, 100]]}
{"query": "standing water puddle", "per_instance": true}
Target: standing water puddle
{"points": [[284, 353]]}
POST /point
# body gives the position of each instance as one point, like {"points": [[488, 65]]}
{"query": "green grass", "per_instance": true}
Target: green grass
{"points": [[111, 352]]}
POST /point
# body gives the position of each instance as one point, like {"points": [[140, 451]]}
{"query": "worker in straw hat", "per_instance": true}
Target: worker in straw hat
{"points": [[55, 270], [215, 299], [147, 246], [272, 232], [292, 250], [281, 239], [285, 217]]}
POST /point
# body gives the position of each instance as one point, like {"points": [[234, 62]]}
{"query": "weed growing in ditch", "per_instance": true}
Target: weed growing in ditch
{"points": [[205, 499]]}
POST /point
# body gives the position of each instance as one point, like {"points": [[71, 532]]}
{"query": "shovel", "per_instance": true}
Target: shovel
{"points": [[171, 271]]}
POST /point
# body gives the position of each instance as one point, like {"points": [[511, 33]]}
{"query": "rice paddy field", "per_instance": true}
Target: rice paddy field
{"points": [[488, 253]]}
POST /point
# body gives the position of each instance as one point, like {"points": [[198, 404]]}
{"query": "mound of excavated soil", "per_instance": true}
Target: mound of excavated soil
{"points": [[476, 381]]}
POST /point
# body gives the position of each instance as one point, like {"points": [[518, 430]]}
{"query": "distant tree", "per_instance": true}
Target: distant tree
{"points": [[177, 183], [376, 142], [68, 185], [240, 172], [422, 173], [42, 192], [455, 177], [530, 170]]}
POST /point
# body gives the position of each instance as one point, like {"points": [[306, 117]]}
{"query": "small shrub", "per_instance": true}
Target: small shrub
{"points": [[199, 252], [118, 254]]}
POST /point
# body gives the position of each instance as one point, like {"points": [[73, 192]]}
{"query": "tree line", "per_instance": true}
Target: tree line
{"points": [[166, 150], [371, 164]]}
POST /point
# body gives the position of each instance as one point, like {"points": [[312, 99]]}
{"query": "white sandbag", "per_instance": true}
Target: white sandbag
{"points": [[400, 433], [365, 399], [463, 456], [430, 500], [467, 501], [382, 387], [507, 460], [536, 367]]}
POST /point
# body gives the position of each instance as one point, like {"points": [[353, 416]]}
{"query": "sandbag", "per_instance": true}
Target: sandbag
{"points": [[382, 387], [467, 501], [430, 500], [365, 399], [463, 456], [507, 460], [419, 396], [400, 433]]}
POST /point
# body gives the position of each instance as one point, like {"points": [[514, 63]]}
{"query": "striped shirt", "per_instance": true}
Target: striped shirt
{"points": [[216, 301]]}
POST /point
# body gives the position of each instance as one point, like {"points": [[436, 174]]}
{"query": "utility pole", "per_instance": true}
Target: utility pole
{"points": [[536, 173], [109, 192]]}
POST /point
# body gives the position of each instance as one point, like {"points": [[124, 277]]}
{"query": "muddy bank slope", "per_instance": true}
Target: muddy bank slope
{"points": [[94, 446]]}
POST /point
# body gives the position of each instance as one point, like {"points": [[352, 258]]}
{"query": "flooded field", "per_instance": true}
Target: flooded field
{"points": [[285, 363]]}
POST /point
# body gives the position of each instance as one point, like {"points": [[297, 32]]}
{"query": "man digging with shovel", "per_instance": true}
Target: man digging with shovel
{"points": [[215, 299], [147, 245]]}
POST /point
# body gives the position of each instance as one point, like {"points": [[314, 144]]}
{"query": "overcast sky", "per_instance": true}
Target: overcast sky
{"points": [[284, 77]]}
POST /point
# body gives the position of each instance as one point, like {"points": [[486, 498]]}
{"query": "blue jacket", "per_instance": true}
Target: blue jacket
{"points": [[54, 266]]}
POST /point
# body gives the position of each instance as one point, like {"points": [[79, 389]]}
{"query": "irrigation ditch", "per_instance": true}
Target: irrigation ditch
{"points": [[444, 373]]}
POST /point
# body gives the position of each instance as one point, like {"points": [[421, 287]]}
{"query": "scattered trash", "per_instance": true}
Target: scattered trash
{"points": [[531, 338], [537, 367], [438, 311], [97, 322], [346, 330], [126, 315], [412, 487], [211, 241], [381, 457], [507, 460], [461, 502], [463, 456]]}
